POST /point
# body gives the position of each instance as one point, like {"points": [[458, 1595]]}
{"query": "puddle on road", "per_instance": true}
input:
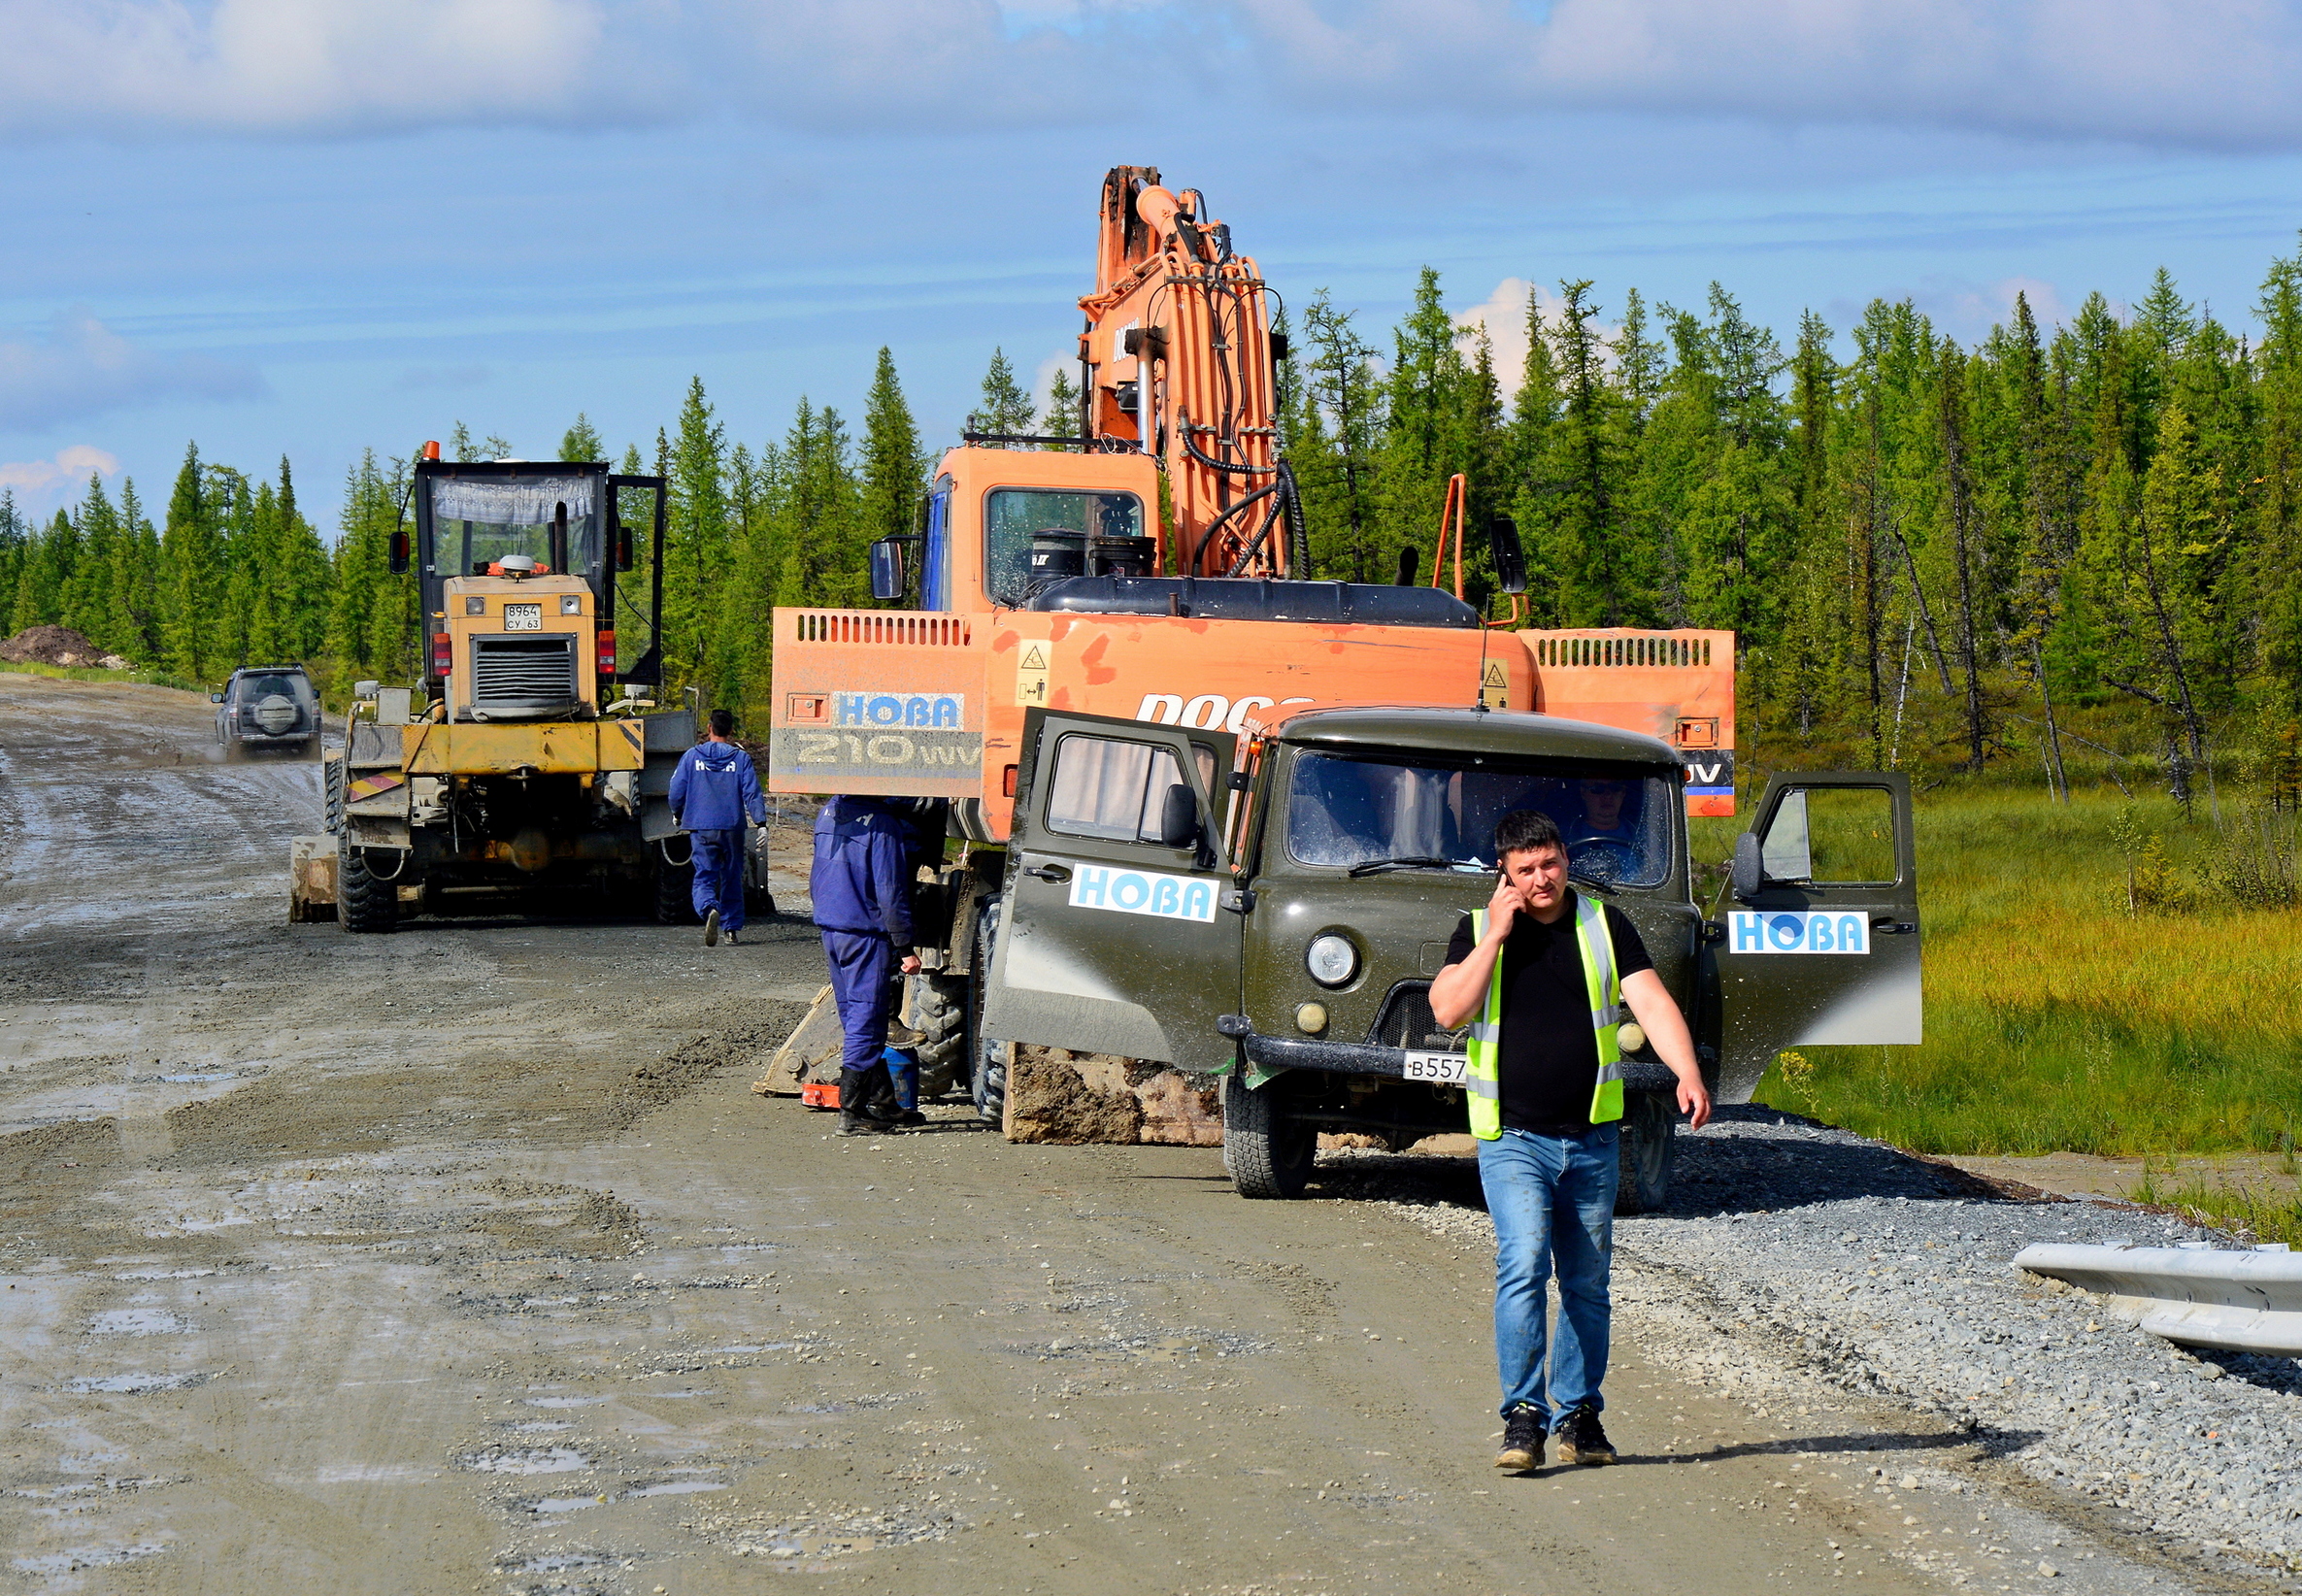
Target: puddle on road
{"points": [[368, 1474], [542, 1426], [557, 1562], [563, 1504], [132, 1384], [527, 1460], [138, 1321], [564, 1400], [676, 1487], [86, 1557]]}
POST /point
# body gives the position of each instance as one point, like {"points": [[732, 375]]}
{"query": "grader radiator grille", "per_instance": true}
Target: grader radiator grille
{"points": [[522, 672]]}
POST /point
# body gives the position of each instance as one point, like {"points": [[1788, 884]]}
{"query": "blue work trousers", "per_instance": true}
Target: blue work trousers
{"points": [[862, 970], [1552, 1201], [719, 875]]}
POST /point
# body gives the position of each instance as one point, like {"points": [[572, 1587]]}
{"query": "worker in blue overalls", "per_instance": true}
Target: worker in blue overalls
{"points": [[861, 884], [714, 791]]}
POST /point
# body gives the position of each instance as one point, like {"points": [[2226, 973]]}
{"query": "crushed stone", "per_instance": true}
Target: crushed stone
{"points": [[1898, 1283]]}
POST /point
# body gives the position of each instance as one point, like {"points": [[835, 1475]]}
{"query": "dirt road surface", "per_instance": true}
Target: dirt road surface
{"points": [[463, 1259]]}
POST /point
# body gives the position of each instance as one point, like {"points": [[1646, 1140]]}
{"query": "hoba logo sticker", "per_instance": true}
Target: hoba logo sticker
{"points": [[939, 711], [1797, 931], [1142, 892]]}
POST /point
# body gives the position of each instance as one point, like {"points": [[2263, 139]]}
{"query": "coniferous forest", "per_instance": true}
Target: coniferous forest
{"points": [[2059, 550]]}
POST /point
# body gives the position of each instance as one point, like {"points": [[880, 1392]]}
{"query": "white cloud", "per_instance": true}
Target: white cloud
{"points": [[2215, 72], [67, 469], [293, 65], [84, 368], [2198, 73], [1502, 315]]}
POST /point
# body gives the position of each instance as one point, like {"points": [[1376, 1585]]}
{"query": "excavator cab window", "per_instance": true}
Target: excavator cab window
{"points": [[935, 554], [1077, 525]]}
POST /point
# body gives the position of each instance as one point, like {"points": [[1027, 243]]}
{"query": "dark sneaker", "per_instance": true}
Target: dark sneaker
{"points": [[711, 928], [1582, 1439], [911, 1117], [1522, 1441], [855, 1124], [735, 939]]}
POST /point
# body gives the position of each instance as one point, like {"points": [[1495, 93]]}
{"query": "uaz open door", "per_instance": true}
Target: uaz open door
{"points": [[1115, 938], [1821, 934]]}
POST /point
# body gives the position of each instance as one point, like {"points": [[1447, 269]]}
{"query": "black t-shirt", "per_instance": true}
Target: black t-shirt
{"points": [[1549, 1057]]}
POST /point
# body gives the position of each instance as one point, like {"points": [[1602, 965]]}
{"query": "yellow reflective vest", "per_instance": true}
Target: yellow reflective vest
{"points": [[1604, 986]]}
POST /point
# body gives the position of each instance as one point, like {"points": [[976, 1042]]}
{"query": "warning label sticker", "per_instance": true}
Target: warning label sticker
{"points": [[1031, 675]]}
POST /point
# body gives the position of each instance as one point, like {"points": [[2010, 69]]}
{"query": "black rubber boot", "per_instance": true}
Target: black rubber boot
{"points": [[866, 1101]]}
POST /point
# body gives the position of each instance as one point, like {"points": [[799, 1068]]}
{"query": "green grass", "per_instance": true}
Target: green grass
{"points": [[2254, 1207], [2057, 1019], [74, 673]]}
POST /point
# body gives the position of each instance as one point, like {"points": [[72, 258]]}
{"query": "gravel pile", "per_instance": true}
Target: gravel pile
{"points": [[1824, 1256]]}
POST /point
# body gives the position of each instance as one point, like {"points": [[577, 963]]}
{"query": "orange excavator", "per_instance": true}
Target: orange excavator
{"points": [[1153, 569]]}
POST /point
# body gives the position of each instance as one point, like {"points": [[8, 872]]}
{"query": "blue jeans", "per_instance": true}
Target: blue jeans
{"points": [[720, 875], [1552, 1201]]}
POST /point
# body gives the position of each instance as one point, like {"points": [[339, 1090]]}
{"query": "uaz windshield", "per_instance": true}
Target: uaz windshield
{"points": [[1350, 809]]}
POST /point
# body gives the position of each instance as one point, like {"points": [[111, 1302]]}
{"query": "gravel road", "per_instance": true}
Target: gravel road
{"points": [[463, 1259]]}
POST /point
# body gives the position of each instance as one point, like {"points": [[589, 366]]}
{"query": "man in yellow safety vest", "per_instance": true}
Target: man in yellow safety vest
{"points": [[1543, 974]]}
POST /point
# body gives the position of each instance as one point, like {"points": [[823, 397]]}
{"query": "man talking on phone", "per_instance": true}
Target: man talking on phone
{"points": [[1543, 974]]}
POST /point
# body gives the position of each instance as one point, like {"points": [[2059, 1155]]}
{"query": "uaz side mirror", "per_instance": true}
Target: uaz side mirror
{"points": [[215, 698], [623, 546], [887, 570], [399, 553], [1178, 817], [1747, 876], [1510, 560]]}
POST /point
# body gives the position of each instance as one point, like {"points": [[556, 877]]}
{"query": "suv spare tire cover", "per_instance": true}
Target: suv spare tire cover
{"points": [[276, 714]]}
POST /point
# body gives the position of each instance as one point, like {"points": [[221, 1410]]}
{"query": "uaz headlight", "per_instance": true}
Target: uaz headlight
{"points": [[1331, 959]]}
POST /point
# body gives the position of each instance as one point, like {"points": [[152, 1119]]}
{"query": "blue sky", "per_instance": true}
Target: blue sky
{"points": [[307, 226]]}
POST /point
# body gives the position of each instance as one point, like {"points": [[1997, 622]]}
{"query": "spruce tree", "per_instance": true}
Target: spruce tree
{"points": [[582, 440], [1006, 406], [135, 586], [1424, 405], [1336, 459], [695, 540], [11, 554], [1062, 418], [192, 580], [894, 478], [87, 596]]}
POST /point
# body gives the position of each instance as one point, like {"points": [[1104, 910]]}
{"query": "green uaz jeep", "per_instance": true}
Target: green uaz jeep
{"points": [[1276, 918]]}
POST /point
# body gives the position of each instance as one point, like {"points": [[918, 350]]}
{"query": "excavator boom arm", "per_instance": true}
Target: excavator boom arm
{"points": [[1178, 360]]}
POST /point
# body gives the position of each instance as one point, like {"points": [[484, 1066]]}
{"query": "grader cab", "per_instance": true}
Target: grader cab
{"points": [[531, 756]]}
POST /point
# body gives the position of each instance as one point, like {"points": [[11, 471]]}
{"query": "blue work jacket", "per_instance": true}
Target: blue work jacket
{"points": [[861, 879], [715, 788]]}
